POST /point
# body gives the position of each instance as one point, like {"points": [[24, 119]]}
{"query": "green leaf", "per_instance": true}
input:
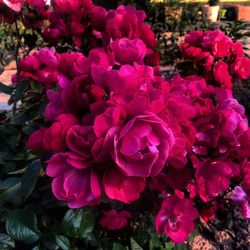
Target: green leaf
{"points": [[169, 246], [19, 91], [5, 89], [19, 119], [29, 178], [6, 242], [87, 224], [63, 242], [9, 189], [49, 241], [180, 247], [21, 225], [155, 242], [135, 245], [118, 246], [78, 223]]}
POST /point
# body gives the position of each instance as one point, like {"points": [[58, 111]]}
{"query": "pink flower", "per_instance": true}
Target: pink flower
{"points": [[192, 85], [15, 5], [123, 188], [142, 146], [205, 62], [73, 64], [238, 195], [72, 182], [114, 220], [98, 18], [30, 63], [153, 58], [241, 68], [80, 139], [128, 51], [213, 178], [39, 4], [176, 218], [189, 52], [147, 36], [194, 38], [217, 42], [35, 140], [209, 211], [245, 173], [222, 76], [55, 107], [127, 22], [55, 136], [123, 22], [237, 50], [41, 66], [243, 151], [219, 130], [74, 96], [67, 6]]}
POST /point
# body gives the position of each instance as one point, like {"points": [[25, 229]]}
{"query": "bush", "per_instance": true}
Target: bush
{"points": [[101, 152]]}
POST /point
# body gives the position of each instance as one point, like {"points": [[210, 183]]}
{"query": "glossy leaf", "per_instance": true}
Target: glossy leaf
{"points": [[21, 225]]}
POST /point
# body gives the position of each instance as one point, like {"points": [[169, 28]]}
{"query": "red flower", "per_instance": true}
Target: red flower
{"points": [[176, 218], [114, 220]]}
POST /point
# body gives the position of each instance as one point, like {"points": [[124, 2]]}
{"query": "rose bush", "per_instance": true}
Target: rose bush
{"points": [[122, 147], [215, 57]]}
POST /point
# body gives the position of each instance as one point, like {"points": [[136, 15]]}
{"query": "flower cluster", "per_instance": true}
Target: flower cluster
{"points": [[216, 57], [123, 31], [32, 13], [119, 132]]}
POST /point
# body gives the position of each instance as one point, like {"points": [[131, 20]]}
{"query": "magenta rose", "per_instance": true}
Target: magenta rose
{"points": [[176, 218], [67, 6], [142, 146], [114, 220], [123, 188], [222, 76], [194, 37], [98, 18], [217, 42], [72, 182], [35, 140], [221, 129], [237, 50], [129, 51], [192, 85], [212, 178], [80, 139], [15, 5], [245, 173], [205, 62], [55, 136], [241, 68]]}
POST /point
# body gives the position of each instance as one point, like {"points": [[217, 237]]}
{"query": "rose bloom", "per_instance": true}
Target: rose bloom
{"points": [[129, 51], [142, 146], [194, 38], [241, 68], [213, 178], [72, 181], [15, 5], [80, 139], [114, 220], [176, 218], [123, 188], [217, 42], [222, 76], [55, 136]]}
